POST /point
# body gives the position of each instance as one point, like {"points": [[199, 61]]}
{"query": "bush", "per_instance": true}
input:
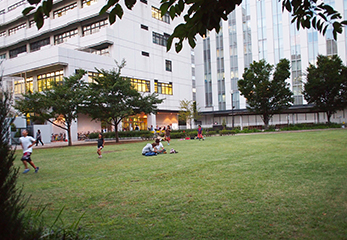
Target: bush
{"points": [[209, 133], [17, 134], [227, 132]]}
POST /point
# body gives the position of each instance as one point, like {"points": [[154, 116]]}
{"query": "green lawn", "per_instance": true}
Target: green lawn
{"points": [[258, 186]]}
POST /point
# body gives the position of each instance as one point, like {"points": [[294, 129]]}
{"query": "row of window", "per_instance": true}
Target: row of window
{"points": [[44, 81]]}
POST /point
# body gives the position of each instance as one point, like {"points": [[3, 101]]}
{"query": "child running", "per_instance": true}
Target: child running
{"points": [[101, 143], [27, 143], [200, 133]]}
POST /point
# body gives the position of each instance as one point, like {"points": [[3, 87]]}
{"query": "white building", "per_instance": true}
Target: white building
{"points": [[257, 30], [75, 36]]}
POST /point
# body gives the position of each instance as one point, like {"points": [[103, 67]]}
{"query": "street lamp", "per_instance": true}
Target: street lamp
{"points": [[232, 108]]}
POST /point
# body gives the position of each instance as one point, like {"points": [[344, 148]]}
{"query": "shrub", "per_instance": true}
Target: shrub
{"points": [[209, 133], [227, 132]]}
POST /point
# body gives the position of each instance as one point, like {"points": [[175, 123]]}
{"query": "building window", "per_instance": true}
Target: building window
{"points": [[160, 39], [14, 30], [17, 4], [44, 81], [168, 65], [103, 51], [3, 56], [64, 36], [35, 46], [144, 27], [140, 85], [86, 3], [14, 53], [2, 11], [19, 86], [162, 88], [3, 34], [63, 11], [93, 75], [94, 27], [145, 54], [29, 85], [156, 13]]}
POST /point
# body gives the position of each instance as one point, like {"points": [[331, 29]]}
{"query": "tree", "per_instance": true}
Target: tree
{"points": [[58, 105], [326, 85], [264, 96], [201, 16], [112, 98], [188, 111]]}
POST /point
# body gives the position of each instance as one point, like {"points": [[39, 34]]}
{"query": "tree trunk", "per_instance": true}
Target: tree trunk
{"points": [[266, 120], [116, 131], [69, 134], [329, 116]]}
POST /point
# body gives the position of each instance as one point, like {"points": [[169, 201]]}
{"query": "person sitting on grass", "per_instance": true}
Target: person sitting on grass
{"points": [[101, 143], [159, 147], [149, 149]]}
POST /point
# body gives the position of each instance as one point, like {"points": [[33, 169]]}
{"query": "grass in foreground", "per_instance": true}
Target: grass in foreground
{"points": [[260, 186]]}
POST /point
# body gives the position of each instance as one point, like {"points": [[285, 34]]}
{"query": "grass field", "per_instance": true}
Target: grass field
{"points": [[258, 186]]}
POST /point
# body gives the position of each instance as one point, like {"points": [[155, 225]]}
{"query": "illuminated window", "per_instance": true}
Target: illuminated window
{"points": [[29, 85], [38, 44], [19, 86], [162, 88], [86, 3], [94, 27], [93, 75], [15, 52], [44, 81], [140, 85], [65, 36], [17, 4], [156, 13], [63, 11], [14, 30]]}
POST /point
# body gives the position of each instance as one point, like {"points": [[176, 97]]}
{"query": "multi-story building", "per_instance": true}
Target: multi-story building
{"points": [[75, 36], [258, 29]]}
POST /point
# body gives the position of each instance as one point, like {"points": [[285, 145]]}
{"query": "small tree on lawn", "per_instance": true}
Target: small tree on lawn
{"points": [[326, 85], [58, 105], [112, 98], [265, 96], [188, 111]]}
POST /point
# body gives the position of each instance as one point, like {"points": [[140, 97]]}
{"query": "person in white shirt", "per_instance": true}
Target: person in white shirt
{"points": [[149, 148], [160, 148], [27, 143]]}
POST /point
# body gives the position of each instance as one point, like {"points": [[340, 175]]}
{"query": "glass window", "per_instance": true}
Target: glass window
{"points": [[17, 4], [86, 3], [160, 39], [140, 85], [2, 11], [162, 88], [35, 46], [168, 65], [3, 56], [29, 85], [92, 76], [14, 53], [145, 54], [94, 27], [64, 36], [44, 81], [63, 11], [3, 34], [156, 13], [19, 86], [14, 30]]}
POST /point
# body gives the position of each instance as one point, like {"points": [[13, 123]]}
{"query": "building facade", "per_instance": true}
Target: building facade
{"points": [[258, 29], [75, 36]]}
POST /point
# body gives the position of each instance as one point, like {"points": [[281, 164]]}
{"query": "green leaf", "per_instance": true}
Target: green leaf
{"points": [[32, 2], [169, 43], [191, 41], [172, 12], [164, 7], [130, 3], [27, 10], [119, 11], [178, 46], [38, 17]]}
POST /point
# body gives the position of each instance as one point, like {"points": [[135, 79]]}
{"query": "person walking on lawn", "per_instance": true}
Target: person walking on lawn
{"points": [[27, 143], [101, 144]]}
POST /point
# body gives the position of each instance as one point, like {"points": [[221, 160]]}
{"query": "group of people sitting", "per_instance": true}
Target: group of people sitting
{"points": [[153, 148]]}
